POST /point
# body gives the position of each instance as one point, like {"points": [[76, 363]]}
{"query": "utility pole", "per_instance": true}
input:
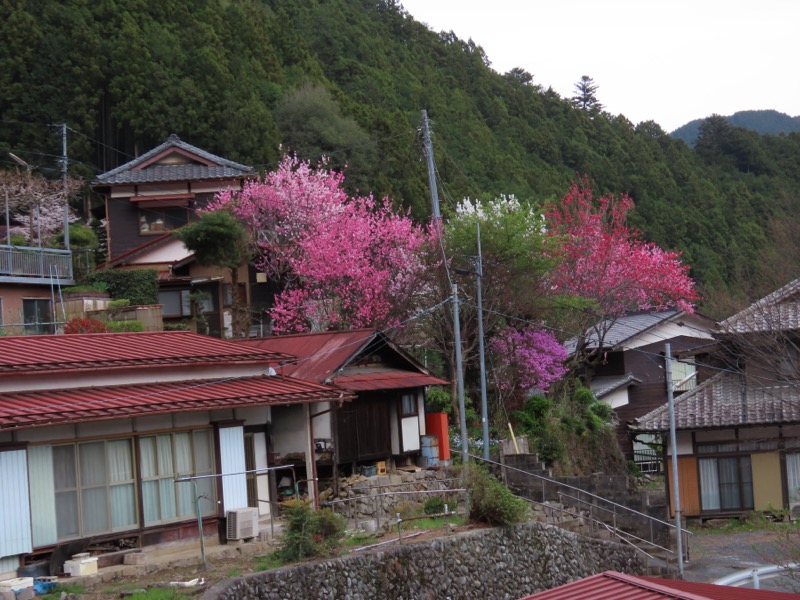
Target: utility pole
{"points": [[673, 446], [428, 146], [484, 402], [64, 165], [460, 378]]}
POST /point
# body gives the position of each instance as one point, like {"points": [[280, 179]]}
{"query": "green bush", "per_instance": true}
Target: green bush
{"points": [[438, 399], [492, 502], [434, 505], [308, 532], [179, 326], [117, 304], [138, 286], [124, 326]]}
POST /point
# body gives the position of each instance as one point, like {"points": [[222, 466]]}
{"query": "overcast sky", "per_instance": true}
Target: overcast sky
{"points": [[667, 61]]}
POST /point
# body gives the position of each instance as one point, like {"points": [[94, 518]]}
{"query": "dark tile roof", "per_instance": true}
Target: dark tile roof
{"points": [[624, 328], [724, 401], [602, 386], [132, 172], [778, 311]]}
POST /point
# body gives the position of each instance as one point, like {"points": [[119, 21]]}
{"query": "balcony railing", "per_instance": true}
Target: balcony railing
{"points": [[27, 264]]}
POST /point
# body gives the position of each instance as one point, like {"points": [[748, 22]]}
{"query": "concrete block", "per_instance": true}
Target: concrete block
{"points": [[135, 558], [26, 594], [16, 584], [81, 566], [8, 595]]}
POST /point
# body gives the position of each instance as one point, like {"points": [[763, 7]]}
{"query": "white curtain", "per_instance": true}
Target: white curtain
{"points": [[94, 499], [183, 466], [709, 484], [120, 476]]}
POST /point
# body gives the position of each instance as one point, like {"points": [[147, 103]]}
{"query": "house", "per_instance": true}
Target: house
{"points": [[386, 421], [738, 432], [630, 587], [156, 193], [630, 374], [95, 428]]}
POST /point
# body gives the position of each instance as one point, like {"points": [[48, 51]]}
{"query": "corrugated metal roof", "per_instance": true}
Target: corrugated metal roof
{"points": [[618, 586], [319, 355], [52, 407], [38, 353], [384, 379], [724, 401], [325, 356], [134, 172]]}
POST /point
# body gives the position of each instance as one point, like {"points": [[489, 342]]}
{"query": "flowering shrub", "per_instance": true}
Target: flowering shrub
{"points": [[529, 358], [84, 325]]}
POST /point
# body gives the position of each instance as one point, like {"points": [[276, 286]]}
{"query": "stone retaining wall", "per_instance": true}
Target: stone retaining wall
{"points": [[506, 563], [371, 502]]}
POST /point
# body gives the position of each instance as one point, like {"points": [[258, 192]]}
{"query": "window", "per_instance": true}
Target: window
{"points": [[165, 457], [94, 488], [175, 303], [726, 483], [408, 405], [37, 316], [155, 221], [681, 372]]}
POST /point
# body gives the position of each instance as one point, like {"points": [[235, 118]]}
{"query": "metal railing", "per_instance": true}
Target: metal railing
{"points": [[619, 510], [35, 263]]}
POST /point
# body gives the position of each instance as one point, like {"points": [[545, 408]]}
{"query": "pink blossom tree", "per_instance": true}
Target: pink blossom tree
{"points": [[527, 358], [605, 269], [341, 261]]}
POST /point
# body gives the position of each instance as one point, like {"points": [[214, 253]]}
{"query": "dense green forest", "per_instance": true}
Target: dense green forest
{"points": [[347, 78], [761, 121]]}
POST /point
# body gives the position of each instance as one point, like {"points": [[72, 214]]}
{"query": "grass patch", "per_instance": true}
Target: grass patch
{"points": [[429, 523], [268, 561], [236, 572], [69, 589], [356, 541], [755, 521]]}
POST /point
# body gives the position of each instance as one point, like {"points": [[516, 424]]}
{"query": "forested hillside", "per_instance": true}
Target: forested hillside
{"points": [[347, 78], [761, 121]]}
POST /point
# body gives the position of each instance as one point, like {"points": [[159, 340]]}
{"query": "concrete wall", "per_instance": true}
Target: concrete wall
{"points": [[509, 562]]}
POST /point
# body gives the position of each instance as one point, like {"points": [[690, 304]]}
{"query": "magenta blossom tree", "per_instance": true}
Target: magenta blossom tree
{"points": [[342, 262], [527, 358]]}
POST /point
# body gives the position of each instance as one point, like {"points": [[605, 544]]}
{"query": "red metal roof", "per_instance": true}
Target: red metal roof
{"points": [[384, 379], [38, 353], [51, 407], [319, 355], [618, 586], [324, 357]]}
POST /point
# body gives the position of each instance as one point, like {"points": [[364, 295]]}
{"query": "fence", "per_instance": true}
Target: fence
{"points": [[35, 263]]}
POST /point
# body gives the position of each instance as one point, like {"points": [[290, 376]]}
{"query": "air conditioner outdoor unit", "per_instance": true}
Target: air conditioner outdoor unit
{"points": [[242, 523]]}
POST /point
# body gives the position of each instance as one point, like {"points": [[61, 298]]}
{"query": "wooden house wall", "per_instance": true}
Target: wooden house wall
{"points": [[689, 484], [363, 428]]}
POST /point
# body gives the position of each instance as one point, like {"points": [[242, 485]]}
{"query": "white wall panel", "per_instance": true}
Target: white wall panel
{"points": [[231, 453], [43, 496], [15, 525]]}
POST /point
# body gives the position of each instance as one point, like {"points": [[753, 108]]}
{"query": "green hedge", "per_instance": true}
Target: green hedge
{"points": [[124, 326], [138, 286]]}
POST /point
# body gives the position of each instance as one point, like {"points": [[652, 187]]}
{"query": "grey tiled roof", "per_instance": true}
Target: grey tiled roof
{"points": [[623, 328], [724, 401], [779, 311], [602, 386], [130, 173]]}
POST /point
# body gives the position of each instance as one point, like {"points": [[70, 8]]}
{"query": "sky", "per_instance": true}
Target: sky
{"points": [[667, 61]]}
